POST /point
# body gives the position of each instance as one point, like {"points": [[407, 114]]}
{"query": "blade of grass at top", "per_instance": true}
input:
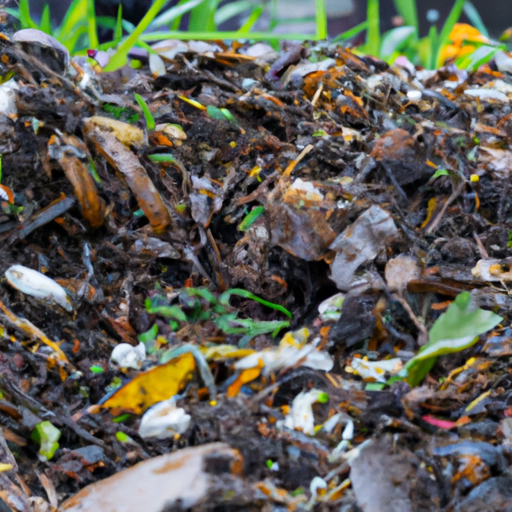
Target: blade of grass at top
{"points": [[202, 18], [251, 20], [66, 33], [453, 17], [177, 21], [433, 38], [321, 20], [354, 31], [91, 25], [174, 14], [273, 16], [118, 32], [74, 15], [24, 15], [372, 46], [408, 11], [228, 11], [211, 36], [45, 25], [120, 58], [475, 18]]}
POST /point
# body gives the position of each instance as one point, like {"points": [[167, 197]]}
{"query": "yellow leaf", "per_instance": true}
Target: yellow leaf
{"points": [[158, 384], [245, 376]]}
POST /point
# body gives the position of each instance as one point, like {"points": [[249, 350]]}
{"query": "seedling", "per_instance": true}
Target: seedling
{"points": [[148, 116], [198, 305]]}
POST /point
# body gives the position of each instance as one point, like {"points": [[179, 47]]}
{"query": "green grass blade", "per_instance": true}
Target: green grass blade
{"points": [[226, 35], [45, 25], [408, 11], [474, 18], [157, 158], [202, 18], [150, 120], [118, 32], [433, 38], [273, 16], [25, 18], [107, 22], [91, 25], [174, 14], [72, 41], [251, 20], [321, 20], [453, 17], [121, 56], [251, 218], [228, 11], [373, 31], [348, 34], [74, 16], [224, 300]]}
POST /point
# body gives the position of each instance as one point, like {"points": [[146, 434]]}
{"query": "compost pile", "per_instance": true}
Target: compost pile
{"points": [[277, 281]]}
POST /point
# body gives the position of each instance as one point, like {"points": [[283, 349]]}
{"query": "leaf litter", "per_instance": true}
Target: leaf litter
{"points": [[274, 279]]}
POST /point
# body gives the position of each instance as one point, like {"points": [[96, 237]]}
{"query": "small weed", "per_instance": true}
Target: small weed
{"points": [[198, 305]]}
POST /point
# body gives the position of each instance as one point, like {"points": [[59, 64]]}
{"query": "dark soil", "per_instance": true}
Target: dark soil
{"points": [[142, 229]]}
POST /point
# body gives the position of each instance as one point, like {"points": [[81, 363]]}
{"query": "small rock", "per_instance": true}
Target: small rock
{"points": [[182, 479]]}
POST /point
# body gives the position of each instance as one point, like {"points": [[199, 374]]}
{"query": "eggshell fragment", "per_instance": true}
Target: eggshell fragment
{"points": [[33, 283]]}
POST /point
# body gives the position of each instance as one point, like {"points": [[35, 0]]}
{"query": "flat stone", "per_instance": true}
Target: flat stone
{"points": [[156, 484]]}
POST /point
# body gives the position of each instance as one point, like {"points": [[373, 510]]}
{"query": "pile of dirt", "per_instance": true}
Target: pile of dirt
{"points": [[267, 240]]}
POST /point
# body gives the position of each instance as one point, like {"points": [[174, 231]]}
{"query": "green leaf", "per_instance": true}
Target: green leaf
{"points": [[354, 31], [373, 31], [162, 158], [174, 14], [408, 11], [323, 398], [149, 335], [232, 9], [251, 20], [169, 312], [321, 19], [202, 17], [251, 218], [224, 299], [122, 418], [148, 116], [91, 25], [375, 386], [47, 436], [440, 172], [395, 40], [229, 116], [455, 330], [123, 438], [475, 18], [46, 25], [121, 56], [118, 32], [478, 58], [24, 15], [216, 113]]}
